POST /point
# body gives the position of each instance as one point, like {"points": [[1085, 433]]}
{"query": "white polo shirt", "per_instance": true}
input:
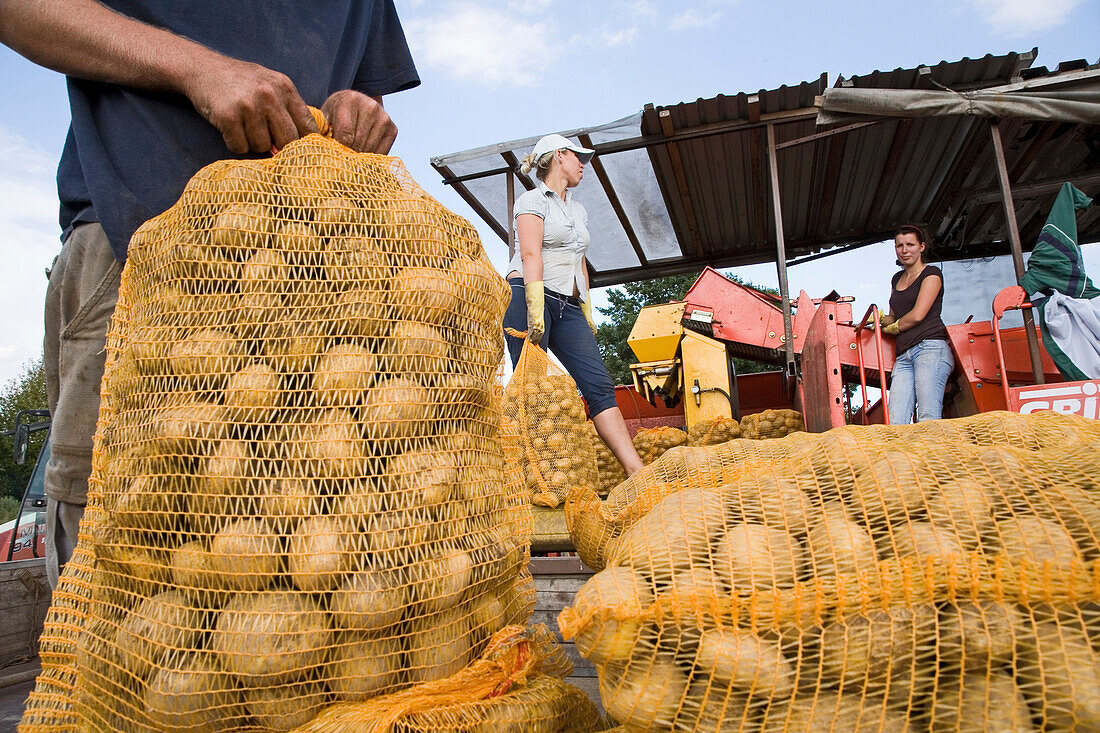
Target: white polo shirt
{"points": [[564, 238]]}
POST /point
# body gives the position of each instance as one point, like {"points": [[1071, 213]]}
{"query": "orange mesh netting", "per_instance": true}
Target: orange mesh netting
{"points": [[542, 405], [652, 443], [298, 494], [771, 424], [714, 431], [937, 577], [610, 471]]}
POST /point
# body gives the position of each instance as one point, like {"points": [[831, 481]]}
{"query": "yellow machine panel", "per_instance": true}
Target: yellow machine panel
{"points": [[656, 333], [705, 378]]}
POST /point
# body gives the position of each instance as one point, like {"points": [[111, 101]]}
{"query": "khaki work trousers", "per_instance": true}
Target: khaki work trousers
{"points": [[80, 300]]}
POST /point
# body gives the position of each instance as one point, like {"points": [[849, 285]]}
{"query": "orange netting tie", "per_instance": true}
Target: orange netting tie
{"points": [[508, 660], [514, 333], [323, 127]]}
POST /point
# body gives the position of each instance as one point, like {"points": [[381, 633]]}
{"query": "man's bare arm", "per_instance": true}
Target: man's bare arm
{"points": [[253, 107]]}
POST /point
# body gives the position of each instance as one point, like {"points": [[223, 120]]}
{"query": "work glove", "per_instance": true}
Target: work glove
{"points": [[882, 318], [892, 329], [586, 309], [536, 307]]}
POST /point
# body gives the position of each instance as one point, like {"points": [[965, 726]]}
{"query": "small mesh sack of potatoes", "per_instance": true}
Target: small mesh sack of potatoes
{"points": [[869, 584], [516, 685], [652, 443], [543, 404], [298, 493], [771, 424], [714, 431], [611, 473]]}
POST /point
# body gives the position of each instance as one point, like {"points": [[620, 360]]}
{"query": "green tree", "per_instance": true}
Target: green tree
{"points": [[25, 392], [622, 312]]}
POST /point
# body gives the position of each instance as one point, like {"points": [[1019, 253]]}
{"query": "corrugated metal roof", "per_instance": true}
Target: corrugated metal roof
{"points": [[837, 188]]}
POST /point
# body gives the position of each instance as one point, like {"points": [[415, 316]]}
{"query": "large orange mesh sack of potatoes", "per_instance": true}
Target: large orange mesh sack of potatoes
{"points": [[297, 495], [879, 585], [542, 405], [771, 424], [652, 443], [714, 431]]}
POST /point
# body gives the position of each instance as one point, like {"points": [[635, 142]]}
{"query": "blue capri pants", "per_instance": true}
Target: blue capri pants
{"points": [[570, 338]]}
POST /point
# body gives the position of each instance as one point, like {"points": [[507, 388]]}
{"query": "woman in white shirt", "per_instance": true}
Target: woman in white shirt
{"points": [[549, 280]]}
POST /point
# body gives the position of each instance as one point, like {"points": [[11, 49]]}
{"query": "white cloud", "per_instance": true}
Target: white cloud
{"points": [[28, 243], [1021, 17], [484, 43], [620, 37], [692, 18]]}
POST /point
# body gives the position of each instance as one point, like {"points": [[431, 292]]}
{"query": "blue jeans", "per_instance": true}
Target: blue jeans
{"points": [[570, 338], [920, 375]]}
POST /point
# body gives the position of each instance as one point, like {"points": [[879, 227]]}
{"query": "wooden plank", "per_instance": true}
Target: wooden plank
{"points": [[24, 600], [549, 533], [558, 566]]}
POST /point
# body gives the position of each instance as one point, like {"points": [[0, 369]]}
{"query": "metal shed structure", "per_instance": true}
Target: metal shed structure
{"points": [[752, 178]]}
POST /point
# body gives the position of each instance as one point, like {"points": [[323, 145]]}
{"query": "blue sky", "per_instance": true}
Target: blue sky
{"points": [[496, 70]]}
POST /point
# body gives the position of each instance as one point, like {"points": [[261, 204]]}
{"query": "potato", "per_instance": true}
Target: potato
{"points": [[673, 536], [487, 617], [827, 710], [965, 508], [155, 627], [394, 535], [1039, 542], [252, 395], [980, 702], [864, 650], [1059, 674], [922, 540], [255, 312], [519, 599], [199, 265], [360, 311], [396, 407], [361, 666], [692, 593], [298, 240], [441, 582], [285, 708], [187, 429], [611, 637], [979, 635], [892, 490], [292, 344], [745, 662], [266, 271], [271, 637], [416, 348], [333, 445], [713, 708], [773, 500], [193, 572], [246, 554], [438, 645], [285, 500], [191, 693], [343, 375], [643, 694], [242, 227], [207, 357], [369, 600], [424, 294], [150, 505], [243, 181], [227, 486], [754, 556], [421, 478], [482, 291], [318, 554], [356, 259], [838, 546]]}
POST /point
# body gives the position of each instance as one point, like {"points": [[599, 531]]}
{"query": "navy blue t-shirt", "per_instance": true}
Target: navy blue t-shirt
{"points": [[129, 153]]}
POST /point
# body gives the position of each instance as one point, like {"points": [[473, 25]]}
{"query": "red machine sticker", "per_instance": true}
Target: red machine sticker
{"points": [[1071, 398]]}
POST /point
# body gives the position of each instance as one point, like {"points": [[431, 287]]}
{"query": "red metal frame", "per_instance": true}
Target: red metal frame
{"points": [[872, 313], [1079, 398]]}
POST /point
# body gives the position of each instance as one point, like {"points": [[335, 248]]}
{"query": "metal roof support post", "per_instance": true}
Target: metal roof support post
{"points": [[781, 254], [510, 187], [1016, 247]]}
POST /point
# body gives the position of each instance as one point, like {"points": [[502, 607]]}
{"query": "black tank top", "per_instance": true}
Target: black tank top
{"points": [[902, 301]]}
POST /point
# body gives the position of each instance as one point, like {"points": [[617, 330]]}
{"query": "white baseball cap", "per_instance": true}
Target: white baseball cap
{"points": [[550, 143]]}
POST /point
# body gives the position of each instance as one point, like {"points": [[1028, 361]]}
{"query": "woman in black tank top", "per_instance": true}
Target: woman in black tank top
{"points": [[924, 361]]}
